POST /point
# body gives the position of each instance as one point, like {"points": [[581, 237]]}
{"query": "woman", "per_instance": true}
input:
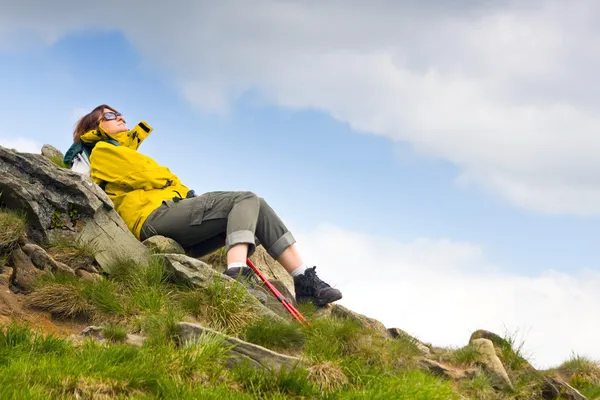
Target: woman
{"points": [[153, 201]]}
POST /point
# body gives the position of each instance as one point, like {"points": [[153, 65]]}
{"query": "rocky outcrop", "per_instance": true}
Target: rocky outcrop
{"points": [[555, 389], [43, 260], [241, 351], [440, 369], [160, 244], [273, 271], [491, 363], [57, 199], [52, 153], [198, 274], [24, 273]]}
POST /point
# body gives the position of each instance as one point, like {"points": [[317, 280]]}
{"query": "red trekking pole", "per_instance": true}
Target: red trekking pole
{"points": [[286, 302]]}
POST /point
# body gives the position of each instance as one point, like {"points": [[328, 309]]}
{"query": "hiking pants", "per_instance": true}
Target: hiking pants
{"points": [[215, 219]]}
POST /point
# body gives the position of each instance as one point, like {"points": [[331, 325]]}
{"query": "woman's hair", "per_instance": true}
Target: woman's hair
{"points": [[89, 121]]}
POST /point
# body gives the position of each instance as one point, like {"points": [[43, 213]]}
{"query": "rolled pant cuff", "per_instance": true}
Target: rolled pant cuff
{"points": [[240, 237], [285, 241]]}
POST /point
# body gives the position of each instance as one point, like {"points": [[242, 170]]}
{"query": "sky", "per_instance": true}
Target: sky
{"points": [[437, 161]]}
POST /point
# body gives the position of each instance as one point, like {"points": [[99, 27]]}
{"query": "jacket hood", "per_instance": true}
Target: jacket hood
{"points": [[132, 138]]}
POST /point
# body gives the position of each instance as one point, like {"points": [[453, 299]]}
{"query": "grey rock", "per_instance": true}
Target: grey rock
{"points": [[52, 152], [57, 199], [161, 244], [273, 271], [24, 272], [491, 363], [437, 368], [369, 323], [88, 276], [200, 275], [398, 333], [241, 351], [554, 389], [43, 260], [93, 331]]}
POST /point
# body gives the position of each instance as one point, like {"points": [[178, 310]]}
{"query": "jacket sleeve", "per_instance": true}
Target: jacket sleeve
{"points": [[127, 168]]}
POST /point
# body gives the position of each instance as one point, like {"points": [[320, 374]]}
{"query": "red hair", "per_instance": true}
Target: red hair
{"points": [[89, 121]]}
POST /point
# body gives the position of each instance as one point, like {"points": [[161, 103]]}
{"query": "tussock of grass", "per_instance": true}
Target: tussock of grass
{"points": [[67, 296], [465, 356], [12, 227], [274, 385], [275, 335], [223, 306], [74, 253], [327, 376], [115, 333]]}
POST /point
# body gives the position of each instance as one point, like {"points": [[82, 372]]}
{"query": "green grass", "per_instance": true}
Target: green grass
{"points": [[58, 160], [584, 375], [223, 306], [115, 333], [12, 227], [276, 335], [76, 253]]}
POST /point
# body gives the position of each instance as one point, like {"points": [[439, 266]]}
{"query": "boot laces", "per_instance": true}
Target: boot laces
{"points": [[313, 280]]}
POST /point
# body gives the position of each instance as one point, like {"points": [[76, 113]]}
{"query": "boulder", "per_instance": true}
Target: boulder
{"points": [[437, 368], [241, 351], [24, 273], [369, 323], [198, 274], [52, 152], [160, 244], [58, 199], [43, 260], [273, 271], [491, 363]]}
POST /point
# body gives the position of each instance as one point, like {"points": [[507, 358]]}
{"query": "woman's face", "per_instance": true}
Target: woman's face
{"points": [[113, 126]]}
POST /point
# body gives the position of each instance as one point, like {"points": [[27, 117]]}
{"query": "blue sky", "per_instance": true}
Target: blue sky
{"points": [[328, 155]]}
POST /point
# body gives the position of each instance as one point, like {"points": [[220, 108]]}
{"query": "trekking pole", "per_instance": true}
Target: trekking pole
{"points": [[287, 304]]}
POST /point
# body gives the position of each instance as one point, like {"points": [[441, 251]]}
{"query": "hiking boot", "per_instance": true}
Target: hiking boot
{"points": [[310, 288], [240, 273]]}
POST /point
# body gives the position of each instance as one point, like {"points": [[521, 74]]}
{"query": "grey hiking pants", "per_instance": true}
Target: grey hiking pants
{"points": [[215, 219]]}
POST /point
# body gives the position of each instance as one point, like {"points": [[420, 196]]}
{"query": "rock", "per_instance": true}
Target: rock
{"points": [[273, 271], [399, 333], [491, 363], [499, 342], [440, 369], [43, 260], [554, 389], [88, 276], [200, 275], [24, 273], [58, 199], [161, 244], [135, 340], [95, 332], [369, 323], [52, 152], [241, 351]]}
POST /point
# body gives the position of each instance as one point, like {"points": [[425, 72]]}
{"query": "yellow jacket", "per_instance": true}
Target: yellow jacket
{"points": [[135, 183]]}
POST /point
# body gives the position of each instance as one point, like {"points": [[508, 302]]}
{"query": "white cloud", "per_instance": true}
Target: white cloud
{"points": [[22, 145], [441, 291], [504, 90]]}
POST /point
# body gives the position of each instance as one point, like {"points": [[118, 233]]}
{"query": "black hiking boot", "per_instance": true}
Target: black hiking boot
{"points": [[310, 288], [241, 274]]}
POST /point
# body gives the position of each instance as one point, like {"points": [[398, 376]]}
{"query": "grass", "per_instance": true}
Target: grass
{"points": [[12, 227], [58, 160], [74, 253], [341, 358], [583, 374], [275, 335], [223, 306]]}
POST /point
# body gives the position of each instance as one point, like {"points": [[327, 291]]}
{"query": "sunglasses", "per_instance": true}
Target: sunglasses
{"points": [[110, 115]]}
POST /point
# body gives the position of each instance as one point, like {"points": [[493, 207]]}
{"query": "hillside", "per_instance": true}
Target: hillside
{"points": [[88, 312]]}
